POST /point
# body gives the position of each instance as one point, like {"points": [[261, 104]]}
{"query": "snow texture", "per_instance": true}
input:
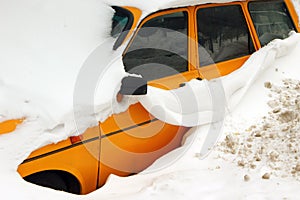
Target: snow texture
{"points": [[207, 98]]}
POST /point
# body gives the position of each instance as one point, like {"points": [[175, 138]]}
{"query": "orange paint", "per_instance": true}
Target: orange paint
{"points": [[9, 125]]}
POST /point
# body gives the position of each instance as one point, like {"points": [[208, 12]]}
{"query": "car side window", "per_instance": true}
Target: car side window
{"points": [[160, 47], [223, 34], [271, 20]]}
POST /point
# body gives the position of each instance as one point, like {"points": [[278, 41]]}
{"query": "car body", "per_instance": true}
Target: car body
{"points": [[129, 142]]}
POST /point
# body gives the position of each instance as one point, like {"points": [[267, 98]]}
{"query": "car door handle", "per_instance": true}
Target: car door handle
{"points": [[181, 84]]}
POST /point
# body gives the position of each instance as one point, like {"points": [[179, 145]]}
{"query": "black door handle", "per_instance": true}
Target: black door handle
{"points": [[181, 84]]}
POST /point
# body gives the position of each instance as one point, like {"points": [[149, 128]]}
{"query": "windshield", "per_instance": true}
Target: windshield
{"points": [[121, 23]]}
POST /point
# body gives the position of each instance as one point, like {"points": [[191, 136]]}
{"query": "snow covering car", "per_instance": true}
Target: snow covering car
{"points": [[193, 42]]}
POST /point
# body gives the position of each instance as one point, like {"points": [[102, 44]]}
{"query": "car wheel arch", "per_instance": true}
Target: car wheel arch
{"points": [[65, 181]]}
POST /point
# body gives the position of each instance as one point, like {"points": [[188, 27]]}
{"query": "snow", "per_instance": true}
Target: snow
{"points": [[151, 6], [43, 46], [48, 50], [227, 91], [217, 176]]}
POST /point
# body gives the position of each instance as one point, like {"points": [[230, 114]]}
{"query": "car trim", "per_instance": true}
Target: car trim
{"points": [[88, 141], [129, 128]]}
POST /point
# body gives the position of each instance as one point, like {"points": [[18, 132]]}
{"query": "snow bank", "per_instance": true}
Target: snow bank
{"points": [[219, 175], [63, 46], [43, 46], [209, 99], [191, 176]]}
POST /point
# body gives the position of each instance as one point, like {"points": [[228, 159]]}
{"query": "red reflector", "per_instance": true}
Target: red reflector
{"points": [[75, 139]]}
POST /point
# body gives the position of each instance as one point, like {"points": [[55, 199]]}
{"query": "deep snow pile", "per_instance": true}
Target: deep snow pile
{"points": [[209, 99], [225, 174], [45, 47], [221, 174]]}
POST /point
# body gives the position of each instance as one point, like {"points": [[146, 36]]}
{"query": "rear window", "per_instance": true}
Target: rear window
{"points": [[271, 20]]}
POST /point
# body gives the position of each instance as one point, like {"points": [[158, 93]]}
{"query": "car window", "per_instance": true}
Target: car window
{"points": [[160, 47], [121, 22], [223, 34], [271, 20]]}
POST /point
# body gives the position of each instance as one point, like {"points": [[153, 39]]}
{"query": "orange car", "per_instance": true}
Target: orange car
{"points": [[211, 35]]}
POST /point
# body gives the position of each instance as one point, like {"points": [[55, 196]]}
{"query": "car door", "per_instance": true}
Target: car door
{"points": [[160, 51]]}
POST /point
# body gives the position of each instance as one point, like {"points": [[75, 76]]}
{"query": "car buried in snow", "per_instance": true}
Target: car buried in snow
{"points": [[214, 40]]}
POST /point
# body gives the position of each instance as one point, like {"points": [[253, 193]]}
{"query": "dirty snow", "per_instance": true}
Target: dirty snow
{"points": [[272, 143]]}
